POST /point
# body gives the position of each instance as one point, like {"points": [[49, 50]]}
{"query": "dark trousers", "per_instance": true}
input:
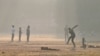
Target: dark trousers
{"points": [[72, 39], [84, 45], [65, 36], [28, 37], [19, 37], [12, 39]]}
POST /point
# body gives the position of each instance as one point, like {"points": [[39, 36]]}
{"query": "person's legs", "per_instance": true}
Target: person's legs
{"points": [[73, 42], [19, 37], [27, 38], [12, 37], [84, 46], [65, 36], [69, 39]]}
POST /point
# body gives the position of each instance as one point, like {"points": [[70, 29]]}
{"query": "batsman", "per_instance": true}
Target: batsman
{"points": [[72, 35]]}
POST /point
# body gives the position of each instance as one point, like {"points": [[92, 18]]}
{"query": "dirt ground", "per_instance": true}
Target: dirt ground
{"points": [[34, 49]]}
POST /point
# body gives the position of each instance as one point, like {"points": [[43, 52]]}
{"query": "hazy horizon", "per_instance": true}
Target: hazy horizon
{"points": [[49, 17]]}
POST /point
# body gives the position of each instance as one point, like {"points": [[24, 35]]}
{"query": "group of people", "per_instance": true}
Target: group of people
{"points": [[20, 33], [67, 31]]}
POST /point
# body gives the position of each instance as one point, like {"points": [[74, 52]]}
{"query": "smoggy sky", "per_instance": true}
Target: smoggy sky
{"points": [[51, 16]]}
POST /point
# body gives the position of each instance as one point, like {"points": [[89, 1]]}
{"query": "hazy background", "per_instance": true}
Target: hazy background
{"points": [[49, 17]]}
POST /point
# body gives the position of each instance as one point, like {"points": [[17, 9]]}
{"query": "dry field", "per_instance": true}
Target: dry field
{"points": [[34, 49]]}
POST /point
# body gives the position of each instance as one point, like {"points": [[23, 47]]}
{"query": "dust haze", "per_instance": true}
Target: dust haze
{"points": [[49, 17]]}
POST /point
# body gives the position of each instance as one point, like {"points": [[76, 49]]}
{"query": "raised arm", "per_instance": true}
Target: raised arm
{"points": [[74, 26]]}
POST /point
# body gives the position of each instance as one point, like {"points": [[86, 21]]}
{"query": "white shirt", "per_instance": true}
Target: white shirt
{"points": [[13, 30]]}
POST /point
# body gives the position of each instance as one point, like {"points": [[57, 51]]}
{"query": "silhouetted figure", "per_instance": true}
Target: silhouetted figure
{"points": [[66, 32], [20, 33], [72, 33], [28, 33], [83, 43], [13, 32]]}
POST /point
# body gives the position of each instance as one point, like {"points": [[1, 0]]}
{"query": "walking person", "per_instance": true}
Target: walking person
{"points": [[28, 33], [72, 37], [20, 33], [13, 33]]}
